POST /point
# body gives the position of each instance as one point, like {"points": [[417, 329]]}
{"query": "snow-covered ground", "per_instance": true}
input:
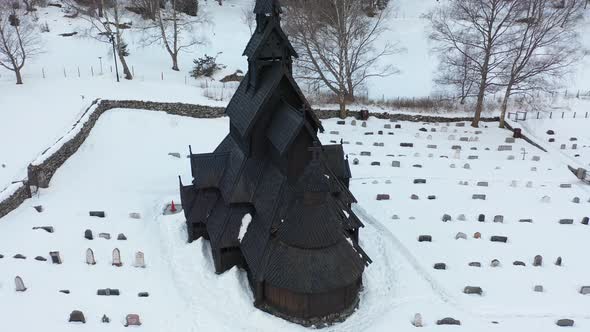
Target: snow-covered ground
{"points": [[123, 167]]}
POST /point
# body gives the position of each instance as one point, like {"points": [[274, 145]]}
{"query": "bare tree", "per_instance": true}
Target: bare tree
{"points": [[483, 26], [248, 16], [173, 29], [19, 40], [547, 45], [336, 42], [458, 71], [108, 28]]}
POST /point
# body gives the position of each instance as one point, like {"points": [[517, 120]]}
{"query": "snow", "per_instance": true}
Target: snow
{"points": [[123, 167], [246, 220]]}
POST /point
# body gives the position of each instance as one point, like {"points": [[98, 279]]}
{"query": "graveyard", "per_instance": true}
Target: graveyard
{"points": [[432, 197]]}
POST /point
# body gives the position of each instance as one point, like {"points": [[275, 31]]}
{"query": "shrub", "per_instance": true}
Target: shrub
{"points": [[206, 66]]}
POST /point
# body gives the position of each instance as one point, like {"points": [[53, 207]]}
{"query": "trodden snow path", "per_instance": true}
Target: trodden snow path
{"points": [[124, 167]]}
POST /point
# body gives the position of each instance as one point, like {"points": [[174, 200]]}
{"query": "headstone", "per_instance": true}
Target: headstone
{"points": [[446, 218], [143, 294], [417, 166], [538, 261], [456, 147], [355, 161], [536, 158], [533, 169], [585, 290], [499, 219], [505, 148], [117, 258], [90, 257], [565, 322], [121, 237], [453, 166], [419, 181], [562, 147], [460, 124], [473, 290], [461, 217], [565, 185], [526, 220], [395, 217], [383, 197], [431, 146], [448, 321], [461, 235], [566, 221], [482, 184], [529, 184], [538, 288], [48, 229], [139, 260], [510, 157], [472, 157], [19, 256], [514, 184], [431, 197], [576, 200], [55, 257], [518, 263], [398, 126], [552, 140], [417, 155], [481, 218], [387, 126], [477, 235], [510, 140], [495, 263], [19, 284], [132, 320], [475, 264], [77, 317], [98, 214], [38, 208], [496, 238], [353, 123], [479, 196], [364, 124], [174, 154], [105, 319], [375, 163], [440, 266], [88, 235], [425, 238], [558, 261], [65, 291], [395, 163], [108, 292], [406, 145], [466, 166], [574, 146], [550, 132], [417, 322], [365, 153], [106, 236], [546, 199], [585, 221]]}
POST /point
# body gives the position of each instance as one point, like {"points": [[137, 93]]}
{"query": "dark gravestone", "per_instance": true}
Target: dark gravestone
{"points": [[585, 290], [406, 145], [529, 221], [585, 221], [143, 294], [98, 214], [440, 266], [55, 257], [105, 319], [517, 133], [340, 122], [481, 218], [365, 153], [425, 238], [77, 316], [375, 163], [518, 263], [479, 196], [48, 229], [121, 237], [558, 261], [550, 132], [414, 197], [40, 259], [65, 291], [448, 321], [446, 218], [423, 129], [475, 264], [431, 197], [499, 219], [496, 238], [473, 290], [551, 140], [495, 263], [19, 256], [1, 256], [88, 235], [566, 221], [38, 208], [538, 261], [398, 126], [419, 181], [108, 292], [132, 320], [383, 197], [565, 322]]}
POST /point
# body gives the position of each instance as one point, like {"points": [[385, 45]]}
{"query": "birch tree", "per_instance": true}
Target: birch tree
{"points": [[336, 42], [19, 40]]}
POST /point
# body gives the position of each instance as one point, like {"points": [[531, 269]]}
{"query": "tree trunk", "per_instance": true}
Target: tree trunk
{"points": [[482, 93], [19, 78], [342, 113], [505, 106], [175, 61], [126, 70]]}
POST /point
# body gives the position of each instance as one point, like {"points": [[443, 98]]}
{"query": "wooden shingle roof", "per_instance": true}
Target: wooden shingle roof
{"points": [[285, 126], [267, 7]]}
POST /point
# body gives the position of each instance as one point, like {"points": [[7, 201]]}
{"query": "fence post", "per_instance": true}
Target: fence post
{"points": [[65, 73], [562, 114], [92, 71], [78, 71], [133, 70], [550, 115], [537, 115], [586, 115], [162, 76], [575, 115], [43, 72]]}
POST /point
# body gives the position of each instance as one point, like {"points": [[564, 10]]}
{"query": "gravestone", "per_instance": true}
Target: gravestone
{"points": [[105, 319], [132, 320], [121, 237], [417, 322], [466, 166], [334, 132], [440, 266], [139, 260], [364, 124], [514, 184], [585, 221], [419, 181], [77, 317], [510, 157], [432, 146], [505, 148], [341, 122], [452, 166], [383, 197], [565, 322], [550, 132], [448, 321], [546, 199], [376, 163], [495, 263], [431, 197], [472, 157], [558, 261], [425, 238], [417, 155], [55, 257], [479, 196], [518, 263], [19, 284], [576, 200], [174, 154], [526, 220], [456, 147], [538, 261], [395, 163], [538, 288], [387, 126], [473, 290], [482, 184], [40, 258], [481, 218], [117, 258], [509, 140], [499, 219], [108, 292], [406, 145], [536, 158], [585, 290], [88, 235], [48, 229], [452, 137], [461, 235], [19, 256], [566, 221], [497, 238], [366, 153], [562, 147], [398, 126], [90, 257], [414, 197], [98, 214], [475, 264], [529, 184], [461, 217], [143, 294], [477, 235], [565, 185], [446, 218], [355, 161], [395, 217], [353, 123], [105, 236]]}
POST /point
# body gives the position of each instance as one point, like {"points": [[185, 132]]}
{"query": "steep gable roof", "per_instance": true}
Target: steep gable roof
{"points": [[257, 42], [267, 7], [285, 126]]}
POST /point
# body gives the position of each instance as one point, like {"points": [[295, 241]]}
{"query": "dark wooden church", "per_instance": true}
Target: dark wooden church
{"points": [[272, 199]]}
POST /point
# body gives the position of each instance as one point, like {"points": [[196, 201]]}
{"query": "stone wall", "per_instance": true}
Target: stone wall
{"points": [[15, 200], [40, 174]]}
